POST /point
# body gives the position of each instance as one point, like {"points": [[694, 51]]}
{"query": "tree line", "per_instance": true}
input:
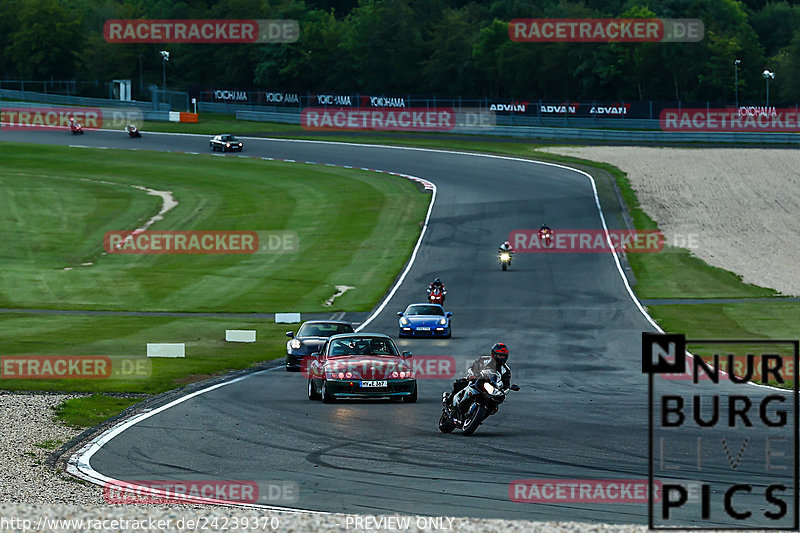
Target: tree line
{"points": [[440, 47]]}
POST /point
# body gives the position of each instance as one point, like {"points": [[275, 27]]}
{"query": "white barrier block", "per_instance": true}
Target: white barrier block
{"points": [[240, 335], [166, 349], [287, 318], [174, 116]]}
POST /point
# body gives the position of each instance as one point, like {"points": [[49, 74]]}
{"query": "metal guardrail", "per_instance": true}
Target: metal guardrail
{"points": [[284, 117], [562, 133], [734, 137], [157, 116], [220, 107], [244, 111], [571, 122], [60, 99]]}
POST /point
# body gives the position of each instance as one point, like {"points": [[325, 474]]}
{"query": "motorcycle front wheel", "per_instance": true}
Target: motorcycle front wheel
{"points": [[504, 265], [474, 420], [446, 424]]}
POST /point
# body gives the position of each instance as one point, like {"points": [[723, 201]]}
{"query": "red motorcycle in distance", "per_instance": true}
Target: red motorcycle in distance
{"points": [[436, 296], [546, 235], [75, 128]]}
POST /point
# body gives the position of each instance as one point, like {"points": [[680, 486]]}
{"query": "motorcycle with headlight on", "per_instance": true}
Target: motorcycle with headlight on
{"points": [[473, 404], [505, 259]]}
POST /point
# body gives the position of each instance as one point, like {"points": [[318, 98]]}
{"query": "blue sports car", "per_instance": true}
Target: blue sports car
{"points": [[425, 320]]}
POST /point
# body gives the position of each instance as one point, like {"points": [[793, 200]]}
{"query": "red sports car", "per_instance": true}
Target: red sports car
{"points": [[360, 365]]}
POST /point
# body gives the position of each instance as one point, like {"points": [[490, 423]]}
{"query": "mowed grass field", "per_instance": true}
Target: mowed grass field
{"points": [[353, 228]]}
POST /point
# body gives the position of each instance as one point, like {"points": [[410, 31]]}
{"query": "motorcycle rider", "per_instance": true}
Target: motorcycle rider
{"points": [[495, 362], [506, 248], [545, 230], [436, 284]]}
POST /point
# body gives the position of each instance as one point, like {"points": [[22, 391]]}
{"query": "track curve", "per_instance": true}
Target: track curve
{"points": [[574, 333]]}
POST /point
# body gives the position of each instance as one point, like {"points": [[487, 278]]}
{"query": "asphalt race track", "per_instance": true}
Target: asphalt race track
{"points": [[575, 339]]}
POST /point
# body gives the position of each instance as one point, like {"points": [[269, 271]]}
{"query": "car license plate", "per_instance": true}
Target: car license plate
{"points": [[375, 384], [423, 328]]}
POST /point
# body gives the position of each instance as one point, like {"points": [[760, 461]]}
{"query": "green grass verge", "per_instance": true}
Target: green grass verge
{"points": [[216, 123], [207, 352], [745, 320], [775, 320], [91, 410]]}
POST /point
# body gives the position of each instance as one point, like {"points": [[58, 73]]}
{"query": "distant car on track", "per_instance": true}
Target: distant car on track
{"points": [[425, 320], [361, 365], [310, 338], [225, 143]]}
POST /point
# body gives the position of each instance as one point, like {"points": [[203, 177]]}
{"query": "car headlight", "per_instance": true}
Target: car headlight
{"points": [[488, 387], [228, 145], [403, 320], [295, 344], [443, 321]]}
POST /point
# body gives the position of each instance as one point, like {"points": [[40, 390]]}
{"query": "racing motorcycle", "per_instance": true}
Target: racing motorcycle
{"points": [[436, 296], [546, 235], [132, 130], [505, 259], [473, 404], [75, 128]]}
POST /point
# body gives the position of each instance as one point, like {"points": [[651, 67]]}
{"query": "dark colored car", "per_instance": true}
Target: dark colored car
{"points": [[226, 143], [310, 338], [424, 320], [361, 365]]}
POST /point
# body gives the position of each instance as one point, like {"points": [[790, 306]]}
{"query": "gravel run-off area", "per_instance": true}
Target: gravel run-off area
{"points": [[735, 208]]}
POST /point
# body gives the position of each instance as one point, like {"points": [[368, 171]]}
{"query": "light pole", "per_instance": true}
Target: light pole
{"points": [[736, 80], [141, 84], [165, 58], [768, 76]]}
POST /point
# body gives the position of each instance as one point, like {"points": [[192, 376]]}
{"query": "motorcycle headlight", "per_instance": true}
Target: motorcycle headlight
{"points": [[403, 320], [489, 388], [295, 344], [504, 257], [443, 321]]}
